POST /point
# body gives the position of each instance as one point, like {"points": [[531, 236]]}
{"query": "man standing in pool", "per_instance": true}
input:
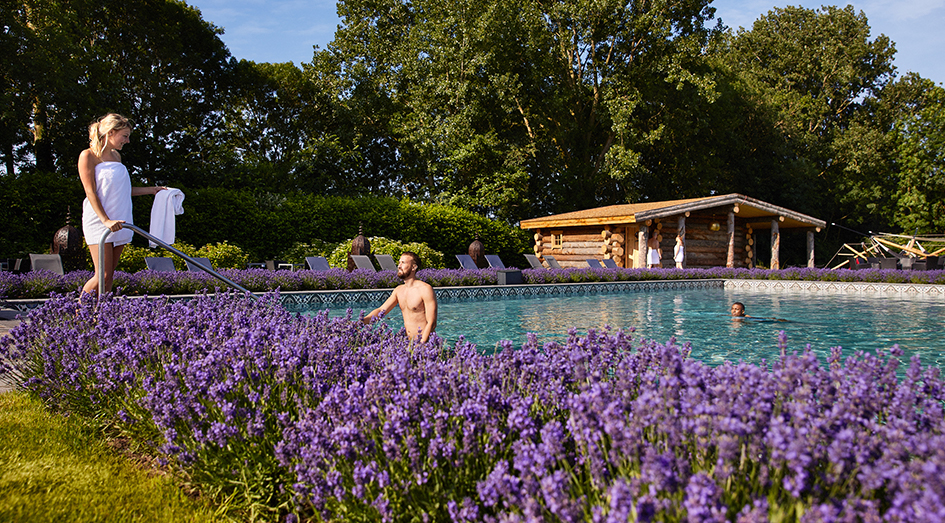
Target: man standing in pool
{"points": [[416, 299]]}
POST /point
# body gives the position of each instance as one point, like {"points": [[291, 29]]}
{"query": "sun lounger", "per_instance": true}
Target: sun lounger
{"points": [[609, 263], [317, 263], [889, 263], [160, 264], [49, 262], [594, 263], [534, 261], [203, 261], [494, 261], [552, 262], [363, 262], [466, 262], [386, 261]]}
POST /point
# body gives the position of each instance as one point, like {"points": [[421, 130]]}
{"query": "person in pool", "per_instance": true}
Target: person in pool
{"points": [[738, 310], [416, 299], [738, 313]]}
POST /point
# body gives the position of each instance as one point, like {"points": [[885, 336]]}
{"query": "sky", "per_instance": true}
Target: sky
{"points": [[287, 30]]}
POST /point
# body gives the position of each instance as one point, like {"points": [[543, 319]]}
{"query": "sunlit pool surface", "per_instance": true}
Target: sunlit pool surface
{"points": [[701, 317]]}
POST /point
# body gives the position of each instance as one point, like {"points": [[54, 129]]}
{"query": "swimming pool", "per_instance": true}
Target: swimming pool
{"points": [[701, 317]]}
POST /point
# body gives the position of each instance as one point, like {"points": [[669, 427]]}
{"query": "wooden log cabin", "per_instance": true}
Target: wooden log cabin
{"points": [[717, 231]]}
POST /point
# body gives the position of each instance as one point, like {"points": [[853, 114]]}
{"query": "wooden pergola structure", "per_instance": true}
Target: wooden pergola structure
{"points": [[716, 231]]}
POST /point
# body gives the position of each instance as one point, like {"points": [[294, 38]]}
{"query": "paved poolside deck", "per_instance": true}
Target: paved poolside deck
{"points": [[8, 320]]}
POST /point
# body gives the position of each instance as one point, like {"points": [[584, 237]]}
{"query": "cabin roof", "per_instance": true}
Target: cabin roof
{"points": [[757, 212]]}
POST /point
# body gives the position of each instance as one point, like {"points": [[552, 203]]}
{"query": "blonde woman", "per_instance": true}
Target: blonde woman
{"points": [[108, 193]]}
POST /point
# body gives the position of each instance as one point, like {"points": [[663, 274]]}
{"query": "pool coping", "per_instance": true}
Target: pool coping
{"points": [[303, 300]]}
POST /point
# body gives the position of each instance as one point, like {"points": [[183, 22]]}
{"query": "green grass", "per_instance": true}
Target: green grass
{"points": [[54, 468]]}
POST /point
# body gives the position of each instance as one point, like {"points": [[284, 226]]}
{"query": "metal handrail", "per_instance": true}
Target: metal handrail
{"points": [[135, 228]]}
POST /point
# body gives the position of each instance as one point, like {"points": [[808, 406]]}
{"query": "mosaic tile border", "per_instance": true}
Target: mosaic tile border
{"points": [[307, 300], [839, 287]]}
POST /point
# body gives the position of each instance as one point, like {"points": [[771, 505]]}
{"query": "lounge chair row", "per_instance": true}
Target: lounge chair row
{"points": [[930, 263]]}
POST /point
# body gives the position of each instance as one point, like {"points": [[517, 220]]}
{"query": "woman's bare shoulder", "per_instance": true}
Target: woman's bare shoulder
{"points": [[88, 159]]}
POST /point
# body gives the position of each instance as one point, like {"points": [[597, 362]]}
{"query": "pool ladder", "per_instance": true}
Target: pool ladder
{"points": [[135, 228]]}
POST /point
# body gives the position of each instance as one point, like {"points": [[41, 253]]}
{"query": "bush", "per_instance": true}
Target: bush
{"points": [[132, 258], [224, 256], [298, 252], [328, 419], [430, 258], [270, 226]]}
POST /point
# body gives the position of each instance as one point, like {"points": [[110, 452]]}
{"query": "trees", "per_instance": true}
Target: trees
{"points": [[516, 108], [815, 73], [155, 60], [920, 194]]}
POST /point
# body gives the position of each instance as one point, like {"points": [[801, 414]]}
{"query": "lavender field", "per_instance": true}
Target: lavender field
{"points": [[40, 284], [320, 419]]}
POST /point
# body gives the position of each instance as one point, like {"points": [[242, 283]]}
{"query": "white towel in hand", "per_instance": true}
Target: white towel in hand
{"points": [[167, 204]]}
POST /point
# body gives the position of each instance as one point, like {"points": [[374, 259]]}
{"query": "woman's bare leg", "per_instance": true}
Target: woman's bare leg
{"points": [[112, 256]]}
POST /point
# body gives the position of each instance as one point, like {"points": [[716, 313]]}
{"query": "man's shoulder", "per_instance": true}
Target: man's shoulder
{"points": [[419, 286]]}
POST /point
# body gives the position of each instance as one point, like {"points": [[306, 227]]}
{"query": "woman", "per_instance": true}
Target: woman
{"points": [[679, 252], [108, 193]]}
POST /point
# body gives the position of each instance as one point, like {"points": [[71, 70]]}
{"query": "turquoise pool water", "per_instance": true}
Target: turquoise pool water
{"points": [[701, 318]]}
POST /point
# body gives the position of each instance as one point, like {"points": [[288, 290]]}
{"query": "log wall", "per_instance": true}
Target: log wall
{"points": [[704, 247]]}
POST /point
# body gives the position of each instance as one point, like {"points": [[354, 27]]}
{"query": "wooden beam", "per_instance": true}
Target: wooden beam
{"points": [[775, 245], [640, 261], [730, 257], [810, 249], [538, 223]]}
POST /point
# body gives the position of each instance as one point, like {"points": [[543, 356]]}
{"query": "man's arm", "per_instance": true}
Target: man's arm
{"points": [[429, 307], [385, 308]]}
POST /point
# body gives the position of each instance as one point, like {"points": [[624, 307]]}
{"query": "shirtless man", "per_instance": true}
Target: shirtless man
{"points": [[416, 299], [654, 253]]}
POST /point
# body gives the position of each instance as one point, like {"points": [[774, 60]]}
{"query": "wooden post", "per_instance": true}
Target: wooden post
{"points": [[640, 262], [775, 245], [730, 259], [810, 249], [681, 231]]}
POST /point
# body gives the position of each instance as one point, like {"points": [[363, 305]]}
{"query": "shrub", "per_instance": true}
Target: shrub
{"points": [[269, 226], [328, 419], [431, 259], [132, 258], [298, 252], [224, 256]]}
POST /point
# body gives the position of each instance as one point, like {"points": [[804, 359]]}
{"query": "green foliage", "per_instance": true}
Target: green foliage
{"points": [[33, 206], [430, 258], [132, 258], [267, 225], [518, 108], [811, 100], [298, 252], [920, 196], [224, 256], [157, 62]]}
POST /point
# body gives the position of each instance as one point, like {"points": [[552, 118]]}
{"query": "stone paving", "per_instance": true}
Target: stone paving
{"points": [[8, 320]]}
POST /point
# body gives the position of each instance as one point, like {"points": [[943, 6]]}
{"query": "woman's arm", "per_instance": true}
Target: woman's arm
{"points": [[138, 191]]}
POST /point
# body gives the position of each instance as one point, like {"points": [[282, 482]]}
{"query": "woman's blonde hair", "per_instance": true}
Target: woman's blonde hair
{"points": [[98, 131]]}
